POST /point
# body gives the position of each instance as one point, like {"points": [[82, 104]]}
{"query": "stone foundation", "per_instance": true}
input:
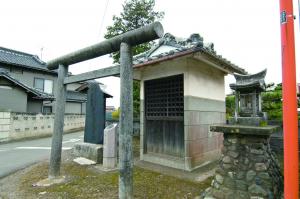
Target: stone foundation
{"points": [[90, 151], [247, 169]]}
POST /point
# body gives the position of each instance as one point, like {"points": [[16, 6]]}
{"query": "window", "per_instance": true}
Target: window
{"points": [[39, 84], [44, 85], [164, 97], [48, 86], [16, 70], [47, 109]]}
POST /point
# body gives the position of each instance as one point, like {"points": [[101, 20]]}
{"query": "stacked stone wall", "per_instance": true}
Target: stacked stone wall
{"points": [[247, 169]]}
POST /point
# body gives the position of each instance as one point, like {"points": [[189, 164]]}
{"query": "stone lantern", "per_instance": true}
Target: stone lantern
{"points": [[248, 88], [247, 168]]}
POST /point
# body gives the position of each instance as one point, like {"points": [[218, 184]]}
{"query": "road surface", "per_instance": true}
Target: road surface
{"points": [[18, 155]]}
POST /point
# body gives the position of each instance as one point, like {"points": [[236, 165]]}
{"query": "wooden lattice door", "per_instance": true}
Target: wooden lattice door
{"points": [[164, 127]]}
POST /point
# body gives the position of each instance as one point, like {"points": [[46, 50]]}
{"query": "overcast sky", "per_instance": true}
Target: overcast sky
{"points": [[247, 32]]}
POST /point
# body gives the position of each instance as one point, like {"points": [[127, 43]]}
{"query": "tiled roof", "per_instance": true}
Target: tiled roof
{"points": [[170, 47], [21, 59], [249, 81], [37, 93], [76, 96], [85, 86]]}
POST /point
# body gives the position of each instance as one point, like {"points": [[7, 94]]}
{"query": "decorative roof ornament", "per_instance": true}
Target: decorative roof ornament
{"points": [[171, 46]]}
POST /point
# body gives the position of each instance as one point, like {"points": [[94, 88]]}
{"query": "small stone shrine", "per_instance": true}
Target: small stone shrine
{"points": [[182, 94], [247, 168], [248, 90]]}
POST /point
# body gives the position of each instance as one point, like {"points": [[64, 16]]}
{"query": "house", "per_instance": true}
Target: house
{"points": [[26, 85], [182, 94]]}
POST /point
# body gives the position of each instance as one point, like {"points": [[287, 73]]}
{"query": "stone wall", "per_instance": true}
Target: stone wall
{"points": [[247, 169], [14, 126]]}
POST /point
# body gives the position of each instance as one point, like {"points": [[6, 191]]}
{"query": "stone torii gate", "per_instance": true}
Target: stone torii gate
{"points": [[123, 42]]}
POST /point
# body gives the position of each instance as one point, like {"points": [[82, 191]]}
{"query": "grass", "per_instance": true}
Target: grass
{"points": [[86, 182], [82, 181]]}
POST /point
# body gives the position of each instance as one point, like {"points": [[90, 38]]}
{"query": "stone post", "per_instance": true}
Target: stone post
{"points": [[236, 110], [110, 146], [126, 123], [254, 104], [55, 158], [247, 168]]}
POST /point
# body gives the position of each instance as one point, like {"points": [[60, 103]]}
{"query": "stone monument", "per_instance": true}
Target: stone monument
{"points": [[95, 114], [92, 147], [247, 168]]}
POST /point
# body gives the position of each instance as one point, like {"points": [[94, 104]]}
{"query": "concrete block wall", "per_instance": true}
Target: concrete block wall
{"points": [[201, 145], [22, 125], [4, 125]]}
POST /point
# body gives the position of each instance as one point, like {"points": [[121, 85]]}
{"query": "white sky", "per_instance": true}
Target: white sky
{"points": [[247, 32]]}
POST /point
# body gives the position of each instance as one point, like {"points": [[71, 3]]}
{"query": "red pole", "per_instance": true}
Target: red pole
{"points": [[290, 118]]}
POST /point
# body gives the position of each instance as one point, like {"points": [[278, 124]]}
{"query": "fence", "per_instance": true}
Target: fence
{"points": [[276, 139], [14, 126]]}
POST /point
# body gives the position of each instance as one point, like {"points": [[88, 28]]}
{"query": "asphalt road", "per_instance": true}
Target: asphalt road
{"points": [[18, 155]]}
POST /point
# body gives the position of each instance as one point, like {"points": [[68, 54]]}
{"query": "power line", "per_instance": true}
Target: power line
{"points": [[103, 17]]}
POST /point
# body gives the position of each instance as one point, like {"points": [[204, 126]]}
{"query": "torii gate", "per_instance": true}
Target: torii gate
{"points": [[123, 42]]}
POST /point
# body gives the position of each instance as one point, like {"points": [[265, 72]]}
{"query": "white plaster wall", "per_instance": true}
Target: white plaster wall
{"points": [[204, 81], [163, 69], [200, 79]]}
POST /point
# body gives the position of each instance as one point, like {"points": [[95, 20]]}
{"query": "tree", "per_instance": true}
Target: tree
{"points": [[135, 14], [116, 114], [271, 102], [230, 105]]}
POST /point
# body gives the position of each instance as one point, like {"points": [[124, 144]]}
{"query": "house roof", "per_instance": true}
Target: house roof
{"points": [[170, 47], [37, 93], [21, 59], [76, 96], [71, 95], [85, 86]]}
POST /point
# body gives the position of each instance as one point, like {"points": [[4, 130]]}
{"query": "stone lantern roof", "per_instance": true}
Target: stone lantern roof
{"points": [[249, 83]]}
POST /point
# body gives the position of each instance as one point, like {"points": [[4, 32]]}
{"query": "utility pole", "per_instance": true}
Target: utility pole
{"points": [[290, 116]]}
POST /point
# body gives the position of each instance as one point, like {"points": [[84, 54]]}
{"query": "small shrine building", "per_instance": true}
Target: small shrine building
{"points": [[182, 94]]}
